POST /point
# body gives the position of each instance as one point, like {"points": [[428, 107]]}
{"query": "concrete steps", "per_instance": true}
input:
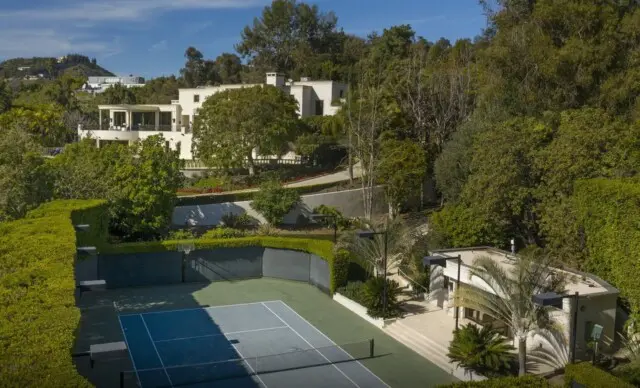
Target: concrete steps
{"points": [[427, 348]]}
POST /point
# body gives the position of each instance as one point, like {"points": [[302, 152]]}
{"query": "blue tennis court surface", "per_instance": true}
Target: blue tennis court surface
{"points": [[263, 344]]}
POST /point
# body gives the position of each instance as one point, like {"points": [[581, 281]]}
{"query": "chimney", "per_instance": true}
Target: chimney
{"points": [[275, 79]]}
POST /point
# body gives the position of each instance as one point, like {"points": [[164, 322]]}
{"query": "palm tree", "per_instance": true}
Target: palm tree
{"points": [[480, 350], [370, 253], [510, 291]]}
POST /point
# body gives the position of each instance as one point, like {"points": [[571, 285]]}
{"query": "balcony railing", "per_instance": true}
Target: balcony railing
{"points": [[134, 127]]}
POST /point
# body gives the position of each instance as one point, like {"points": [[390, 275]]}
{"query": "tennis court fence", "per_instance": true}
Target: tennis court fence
{"points": [[186, 375]]}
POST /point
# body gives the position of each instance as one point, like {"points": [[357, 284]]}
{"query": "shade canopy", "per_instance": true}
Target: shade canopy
{"points": [[548, 299], [434, 260], [366, 233]]}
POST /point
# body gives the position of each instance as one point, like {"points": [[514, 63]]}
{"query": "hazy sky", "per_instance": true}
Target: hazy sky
{"points": [[149, 37]]}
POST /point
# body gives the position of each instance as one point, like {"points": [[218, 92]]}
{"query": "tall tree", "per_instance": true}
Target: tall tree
{"points": [[233, 124], [287, 36], [5, 96], [229, 68], [118, 94], [44, 121]]}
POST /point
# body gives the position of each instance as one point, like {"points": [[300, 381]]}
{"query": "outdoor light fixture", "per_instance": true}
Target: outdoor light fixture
{"points": [[81, 227], [334, 218], [555, 300], [369, 235], [441, 261]]}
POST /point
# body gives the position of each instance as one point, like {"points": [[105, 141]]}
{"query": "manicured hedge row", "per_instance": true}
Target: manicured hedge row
{"points": [[38, 316], [609, 212], [338, 264], [590, 376], [503, 382], [245, 195]]}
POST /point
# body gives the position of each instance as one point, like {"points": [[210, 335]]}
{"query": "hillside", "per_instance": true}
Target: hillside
{"points": [[49, 67]]}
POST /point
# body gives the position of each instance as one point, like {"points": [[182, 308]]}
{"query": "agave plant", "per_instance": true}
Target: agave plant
{"points": [[481, 350]]}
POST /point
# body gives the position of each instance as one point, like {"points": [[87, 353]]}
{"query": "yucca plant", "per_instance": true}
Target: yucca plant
{"points": [[481, 350]]}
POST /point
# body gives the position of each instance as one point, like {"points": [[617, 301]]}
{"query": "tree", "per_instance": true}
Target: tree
{"points": [[288, 37], [274, 201], [44, 121], [481, 350], [5, 96], [25, 181], [229, 68], [82, 172], [403, 166], [509, 296], [233, 124], [192, 72], [142, 187], [118, 94]]}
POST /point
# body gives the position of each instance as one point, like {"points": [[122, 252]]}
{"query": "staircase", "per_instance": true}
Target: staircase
{"points": [[427, 348]]}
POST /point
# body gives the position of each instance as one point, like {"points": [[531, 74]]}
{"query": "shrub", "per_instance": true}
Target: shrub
{"points": [[629, 373], [273, 201], [267, 230], [342, 222], [374, 298], [481, 350], [38, 316], [341, 262], [211, 182], [586, 374], [354, 291], [180, 234], [503, 382], [223, 233], [238, 221]]}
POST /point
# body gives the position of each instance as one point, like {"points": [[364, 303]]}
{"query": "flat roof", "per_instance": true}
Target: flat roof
{"points": [[591, 285], [142, 107]]}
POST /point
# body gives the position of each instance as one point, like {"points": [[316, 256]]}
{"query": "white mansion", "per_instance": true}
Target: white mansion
{"points": [[128, 123]]}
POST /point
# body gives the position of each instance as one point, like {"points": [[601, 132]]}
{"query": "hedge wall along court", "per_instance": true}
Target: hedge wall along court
{"points": [[38, 316]]}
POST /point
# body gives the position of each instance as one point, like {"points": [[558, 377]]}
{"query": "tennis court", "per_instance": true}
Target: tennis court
{"points": [[261, 344]]}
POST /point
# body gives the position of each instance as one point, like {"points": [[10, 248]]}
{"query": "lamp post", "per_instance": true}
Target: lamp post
{"points": [[368, 234], [442, 262], [333, 217], [555, 300]]}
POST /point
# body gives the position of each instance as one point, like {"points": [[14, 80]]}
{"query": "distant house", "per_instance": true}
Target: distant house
{"points": [[100, 84], [128, 123], [23, 68]]}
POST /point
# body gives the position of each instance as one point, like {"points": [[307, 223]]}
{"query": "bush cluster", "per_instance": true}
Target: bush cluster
{"points": [[369, 294], [38, 316], [590, 376], [503, 382]]}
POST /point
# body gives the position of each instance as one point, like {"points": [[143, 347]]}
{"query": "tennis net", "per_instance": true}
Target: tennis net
{"points": [[186, 375]]}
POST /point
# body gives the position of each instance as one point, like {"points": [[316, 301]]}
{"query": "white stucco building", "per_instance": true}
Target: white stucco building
{"points": [[597, 300], [127, 123], [100, 84]]}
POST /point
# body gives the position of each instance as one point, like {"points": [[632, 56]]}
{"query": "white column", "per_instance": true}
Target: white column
{"points": [[157, 119], [111, 118], [100, 119], [129, 118], [97, 142]]}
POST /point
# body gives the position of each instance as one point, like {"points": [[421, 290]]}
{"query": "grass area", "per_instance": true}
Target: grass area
{"points": [[399, 366]]}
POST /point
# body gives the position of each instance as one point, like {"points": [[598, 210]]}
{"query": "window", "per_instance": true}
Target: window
{"points": [[196, 98], [341, 93], [319, 107]]}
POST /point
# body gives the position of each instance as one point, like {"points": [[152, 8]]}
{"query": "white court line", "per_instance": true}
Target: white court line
{"points": [[222, 334], [320, 353], [249, 365], [156, 349], [198, 308], [330, 340], [129, 350]]}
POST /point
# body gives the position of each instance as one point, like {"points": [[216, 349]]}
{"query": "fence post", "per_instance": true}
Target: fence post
{"points": [[371, 348]]}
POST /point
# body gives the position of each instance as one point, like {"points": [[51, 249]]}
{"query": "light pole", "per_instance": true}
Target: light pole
{"points": [[442, 262], [555, 300], [333, 217], [368, 234]]}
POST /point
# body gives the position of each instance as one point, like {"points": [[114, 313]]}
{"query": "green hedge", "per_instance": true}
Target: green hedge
{"points": [[503, 382], [338, 264], [245, 195], [609, 213], [38, 316], [592, 377]]}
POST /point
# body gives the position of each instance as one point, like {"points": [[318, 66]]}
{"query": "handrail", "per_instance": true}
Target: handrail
{"points": [[404, 275]]}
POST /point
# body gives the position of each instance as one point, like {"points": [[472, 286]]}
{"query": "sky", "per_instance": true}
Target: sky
{"points": [[149, 37]]}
